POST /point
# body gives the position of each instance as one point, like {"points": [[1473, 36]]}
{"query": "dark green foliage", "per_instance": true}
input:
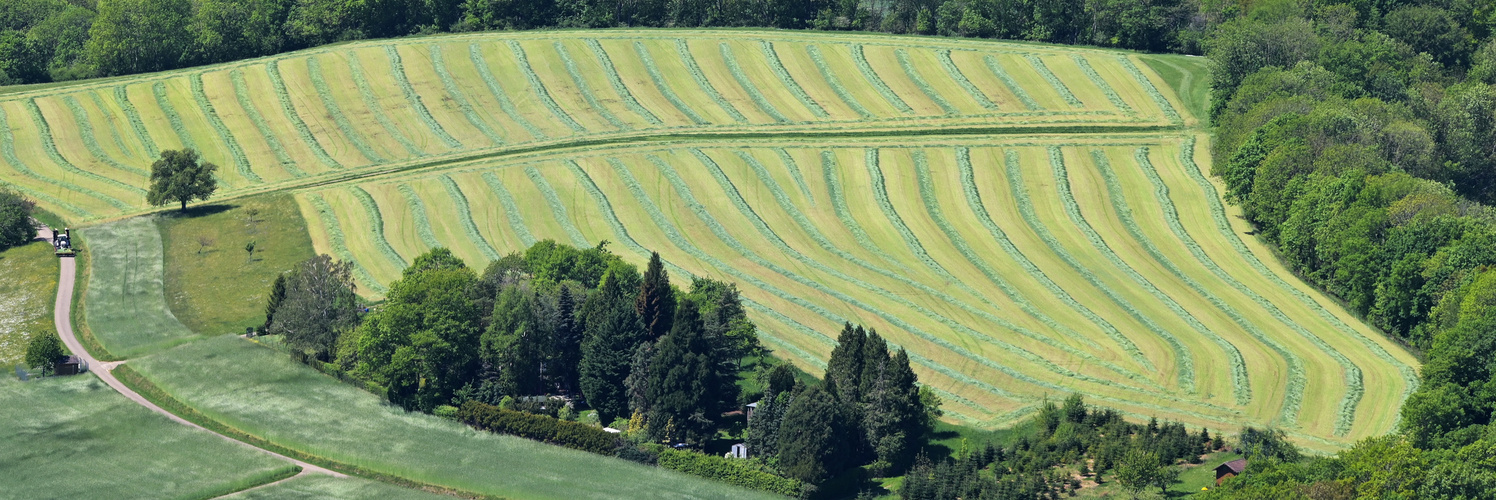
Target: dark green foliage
{"points": [[844, 369], [572, 435], [515, 342], [612, 330], [42, 352], [683, 381], [816, 437], [763, 428], [731, 471], [15, 219], [178, 177], [547, 260], [316, 304], [656, 302], [277, 295]]}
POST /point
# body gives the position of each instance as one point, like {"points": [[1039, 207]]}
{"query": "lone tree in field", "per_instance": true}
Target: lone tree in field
{"points": [[179, 177], [43, 351]]}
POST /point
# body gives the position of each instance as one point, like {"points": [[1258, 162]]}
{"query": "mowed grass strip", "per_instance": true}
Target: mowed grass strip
{"points": [[125, 305]]}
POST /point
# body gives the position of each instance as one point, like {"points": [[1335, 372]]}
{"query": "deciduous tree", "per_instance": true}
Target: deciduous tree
{"points": [[179, 177]]}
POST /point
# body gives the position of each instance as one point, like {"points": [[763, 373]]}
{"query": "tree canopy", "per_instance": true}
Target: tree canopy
{"points": [[179, 177]]}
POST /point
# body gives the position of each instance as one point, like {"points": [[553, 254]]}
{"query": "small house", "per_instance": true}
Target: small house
{"points": [[1230, 469], [739, 450], [68, 365]]}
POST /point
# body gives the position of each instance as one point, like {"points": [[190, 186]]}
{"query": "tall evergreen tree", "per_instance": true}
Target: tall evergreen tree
{"points": [[567, 352], [845, 366], [656, 301], [763, 428], [683, 380], [813, 436], [612, 330], [874, 363], [277, 294], [637, 382]]}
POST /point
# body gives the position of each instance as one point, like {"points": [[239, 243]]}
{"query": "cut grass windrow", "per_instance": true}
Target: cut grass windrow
{"points": [[505, 105], [794, 168], [1184, 362], [314, 73], [1294, 396], [376, 224], [584, 90], [371, 102], [831, 174], [1023, 96], [919, 81], [974, 199], [664, 87], [272, 70], [119, 142], [90, 141], [439, 66], [1346, 416], [397, 68], [45, 132], [511, 210], [617, 82], [241, 162], [1111, 94], [1158, 97], [789, 81], [133, 116], [877, 82], [558, 209], [340, 245], [241, 93], [835, 83], [8, 151], [418, 214], [465, 216], [705, 85], [1054, 81], [944, 55], [172, 117], [748, 86], [538, 87]]}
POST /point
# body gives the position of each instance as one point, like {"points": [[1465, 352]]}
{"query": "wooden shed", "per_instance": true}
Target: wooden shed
{"points": [[68, 365], [1230, 469]]}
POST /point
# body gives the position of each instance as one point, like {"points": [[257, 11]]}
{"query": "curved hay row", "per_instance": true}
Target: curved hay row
{"points": [[617, 82], [539, 88], [123, 99], [172, 117], [877, 82], [1054, 81], [241, 93], [339, 243], [836, 86], [748, 86], [50, 148], [397, 68], [91, 142], [954, 72], [8, 152], [272, 70], [1023, 96], [454, 92], [418, 214], [580, 81], [465, 217], [558, 209], [371, 102], [789, 82], [664, 87], [1111, 94], [371, 210], [314, 72], [241, 162], [705, 85], [502, 97], [919, 81], [516, 221]]}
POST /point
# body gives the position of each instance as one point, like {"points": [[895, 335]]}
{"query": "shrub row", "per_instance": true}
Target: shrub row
{"points": [[1059, 86], [8, 151], [397, 66], [835, 83], [1111, 94], [919, 81], [339, 244], [736, 472], [748, 86], [44, 131], [540, 90], [241, 162], [789, 82], [505, 105], [272, 70], [172, 117], [439, 65], [91, 142], [371, 101], [418, 213], [663, 86], [371, 211], [944, 55], [241, 93], [574, 435], [136, 124], [582, 88], [465, 216], [558, 209], [314, 72], [511, 210], [1158, 97], [617, 82], [706, 85], [1023, 96], [877, 82]]}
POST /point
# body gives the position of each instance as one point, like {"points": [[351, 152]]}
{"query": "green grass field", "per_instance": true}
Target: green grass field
{"points": [[125, 305], [320, 487], [28, 288], [69, 437]]}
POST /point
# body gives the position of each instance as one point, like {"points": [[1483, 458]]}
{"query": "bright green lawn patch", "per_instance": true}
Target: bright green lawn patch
{"points": [[262, 392], [28, 287], [73, 437], [331, 488], [218, 287], [1189, 78], [125, 305], [1201, 476]]}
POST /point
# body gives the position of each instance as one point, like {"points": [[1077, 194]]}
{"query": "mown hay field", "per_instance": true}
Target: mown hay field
{"points": [[84, 150], [1013, 269]]}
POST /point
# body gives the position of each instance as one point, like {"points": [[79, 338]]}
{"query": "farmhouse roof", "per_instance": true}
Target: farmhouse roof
{"points": [[1235, 466]]}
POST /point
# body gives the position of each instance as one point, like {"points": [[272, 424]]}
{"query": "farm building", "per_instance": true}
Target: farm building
{"points": [[1230, 469], [69, 365]]}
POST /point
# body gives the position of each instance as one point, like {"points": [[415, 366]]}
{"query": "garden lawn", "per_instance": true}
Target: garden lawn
{"points": [[28, 287], [74, 437], [125, 305], [262, 392], [323, 487]]}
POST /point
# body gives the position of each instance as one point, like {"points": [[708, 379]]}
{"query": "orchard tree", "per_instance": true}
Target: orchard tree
{"points": [[43, 351], [180, 177]]}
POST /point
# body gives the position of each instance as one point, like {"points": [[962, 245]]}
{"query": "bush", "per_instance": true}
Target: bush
{"points": [[15, 219], [737, 472], [538, 427]]}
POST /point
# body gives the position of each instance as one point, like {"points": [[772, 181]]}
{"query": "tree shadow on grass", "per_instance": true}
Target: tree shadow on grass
{"points": [[199, 211]]}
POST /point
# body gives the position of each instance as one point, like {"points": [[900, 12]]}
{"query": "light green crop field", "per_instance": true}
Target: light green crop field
{"points": [[125, 305], [71, 437], [28, 287], [321, 487], [261, 391]]}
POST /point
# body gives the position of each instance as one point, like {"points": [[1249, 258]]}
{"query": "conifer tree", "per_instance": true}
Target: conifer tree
{"points": [[612, 330], [845, 366], [682, 379], [568, 343], [513, 342], [813, 436], [277, 294], [874, 362], [656, 302]]}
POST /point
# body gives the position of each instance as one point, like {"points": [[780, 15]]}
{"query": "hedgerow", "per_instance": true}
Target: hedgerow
{"points": [[540, 90], [159, 90], [617, 83], [789, 82], [511, 210], [439, 65], [1111, 94], [44, 132], [397, 67], [241, 162], [136, 124], [558, 209], [582, 88], [1184, 362], [465, 216], [748, 86], [314, 72], [919, 81], [872, 78], [1059, 86], [664, 88], [86, 132], [1158, 97], [8, 151], [706, 85], [272, 70], [1354, 389], [241, 93], [371, 101], [728, 470], [835, 83], [1023, 96], [505, 105], [794, 168], [376, 223], [944, 55], [574, 435], [418, 213], [339, 244]]}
